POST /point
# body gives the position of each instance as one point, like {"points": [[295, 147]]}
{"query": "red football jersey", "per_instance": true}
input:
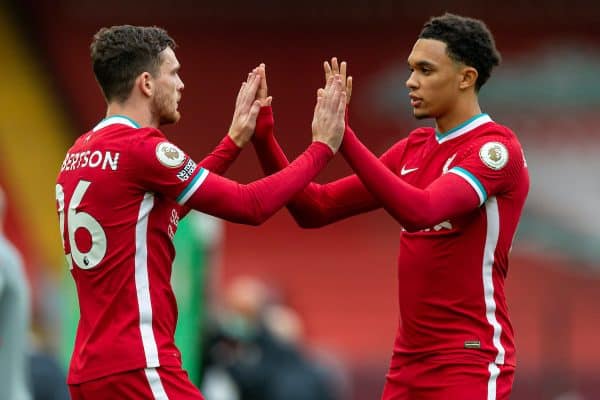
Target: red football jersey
{"points": [[120, 194], [473, 182], [451, 276]]}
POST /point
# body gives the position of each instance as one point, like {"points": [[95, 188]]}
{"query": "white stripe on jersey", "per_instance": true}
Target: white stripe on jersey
{"points": [[158, 390], [491, 240], [492, 387], [142, 285]]}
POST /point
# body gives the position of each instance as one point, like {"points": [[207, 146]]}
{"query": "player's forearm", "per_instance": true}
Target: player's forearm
{"points": [[270, 155], [320, 205], [310, 208], [254, 203], [221, 158], [412, 207]]}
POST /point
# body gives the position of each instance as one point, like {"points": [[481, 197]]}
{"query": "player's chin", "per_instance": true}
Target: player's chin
{"points": [[420, 113], [170, 118]]}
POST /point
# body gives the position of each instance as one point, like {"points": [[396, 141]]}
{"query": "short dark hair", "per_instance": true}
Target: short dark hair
{"points": [[121, 53], [468, 41]]}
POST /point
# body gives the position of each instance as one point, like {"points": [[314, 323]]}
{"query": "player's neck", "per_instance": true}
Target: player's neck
{"points": [[142, 115], [458, 115]]}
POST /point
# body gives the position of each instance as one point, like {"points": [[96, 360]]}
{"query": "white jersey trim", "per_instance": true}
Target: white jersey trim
{"points": [[491, 240], [116, 119], [492, 386], [156, 386], [463, 128], [473, 181], [192, 187], [142, 284]]}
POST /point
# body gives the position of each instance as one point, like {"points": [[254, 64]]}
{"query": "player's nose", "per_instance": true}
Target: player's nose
{"points": [[411, 82]]}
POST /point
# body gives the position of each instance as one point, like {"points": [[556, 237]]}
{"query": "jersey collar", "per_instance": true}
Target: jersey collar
{"points": [[116, 119], [463, 128]]}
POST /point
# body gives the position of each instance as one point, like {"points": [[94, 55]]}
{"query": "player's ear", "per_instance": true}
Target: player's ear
{"points": [[468, 78], [145, 83]]}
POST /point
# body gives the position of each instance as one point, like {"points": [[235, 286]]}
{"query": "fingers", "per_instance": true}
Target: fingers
{"points": [[341, 110], [327, 69], [343, 67], [332, 93], [328, 91], [348, 89], [254, 110], [250, 89], [243, 88], [262, 72], [329, 82], [334, 66], [337, 91], [318, 106], [238, 99], [247, 92], [254, 82], [262, 89]]}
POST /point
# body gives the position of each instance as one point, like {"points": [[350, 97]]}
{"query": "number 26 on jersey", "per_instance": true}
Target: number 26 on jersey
{"points": [[73, 220]]}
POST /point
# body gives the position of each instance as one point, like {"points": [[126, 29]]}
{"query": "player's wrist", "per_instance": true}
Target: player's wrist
{"points": [[265, 124], [238, 138], [333, 144]]}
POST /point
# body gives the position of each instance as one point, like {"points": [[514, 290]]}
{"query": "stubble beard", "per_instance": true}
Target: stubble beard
{"points": [[166, 109]]}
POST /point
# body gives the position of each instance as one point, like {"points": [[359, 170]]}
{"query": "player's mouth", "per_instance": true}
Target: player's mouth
{"points": [[415, 101]]}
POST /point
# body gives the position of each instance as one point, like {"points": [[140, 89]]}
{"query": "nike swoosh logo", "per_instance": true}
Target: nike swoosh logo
{"points": [[405, 171], [447, 164]]}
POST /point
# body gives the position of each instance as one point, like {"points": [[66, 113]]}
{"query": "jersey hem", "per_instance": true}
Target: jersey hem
{"points": [[75, 378]]}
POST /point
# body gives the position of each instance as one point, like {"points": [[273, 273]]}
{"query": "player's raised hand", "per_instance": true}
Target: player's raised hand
{"points": [[335, 69], [246, 110], [263, 94], [328, 120]]}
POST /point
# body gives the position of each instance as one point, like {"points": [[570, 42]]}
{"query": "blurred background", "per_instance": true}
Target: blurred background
{"points": [[326, 298]]}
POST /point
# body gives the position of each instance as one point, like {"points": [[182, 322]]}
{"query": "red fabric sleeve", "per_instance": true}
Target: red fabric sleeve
{"points": [[446, 197], [317, 205], [221, 158], [158, 165], [491, 165], [252, 204], [218, 161]]}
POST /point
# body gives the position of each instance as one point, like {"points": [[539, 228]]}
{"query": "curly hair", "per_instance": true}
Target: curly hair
{"points": [[468, 41], [121, 53]]}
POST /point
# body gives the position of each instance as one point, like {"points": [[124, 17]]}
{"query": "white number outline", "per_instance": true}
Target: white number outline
{"points": [[76, 220]]}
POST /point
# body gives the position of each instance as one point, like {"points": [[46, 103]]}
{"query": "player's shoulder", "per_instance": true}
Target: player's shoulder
{"points": [[495, 137], [149, 132], [499, 132], [125, 129], [152, 146], [147, 137], [420, 134], [496, 146], [81, 140]]}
